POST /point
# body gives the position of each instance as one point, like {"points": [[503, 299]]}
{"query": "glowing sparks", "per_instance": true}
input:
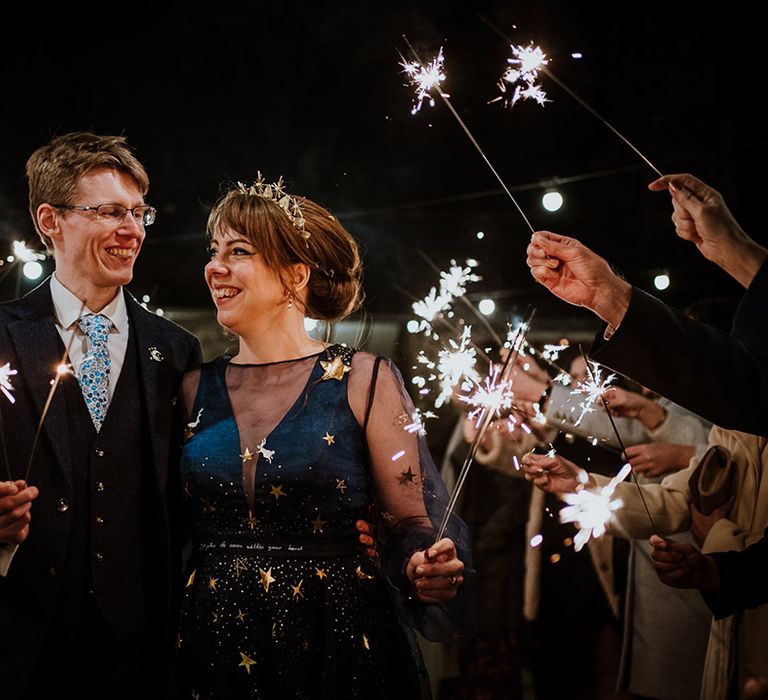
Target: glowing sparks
{"points": [[5, 381], [516, 336], [24, 254], [552, 352], [397, 455], [591, 510], [519, 79], [453, 284], [592, 389], [417, 421], [493, 394], [425, 78]]}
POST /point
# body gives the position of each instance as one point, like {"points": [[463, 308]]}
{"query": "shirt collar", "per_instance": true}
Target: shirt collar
{"points": [[67, 307]]}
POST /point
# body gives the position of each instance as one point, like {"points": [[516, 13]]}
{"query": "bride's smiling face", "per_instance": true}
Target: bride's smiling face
{"points": [[243, 287]]}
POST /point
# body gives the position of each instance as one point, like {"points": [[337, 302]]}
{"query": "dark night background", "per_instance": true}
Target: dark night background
{"points": [[313, 91]]}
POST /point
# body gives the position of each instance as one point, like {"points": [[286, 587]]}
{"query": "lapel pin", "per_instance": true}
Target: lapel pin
{"points": [[155, 354]]}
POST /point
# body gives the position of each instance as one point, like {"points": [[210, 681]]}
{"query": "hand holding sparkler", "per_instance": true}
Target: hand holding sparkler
{"points": [[575, 274], [553, 474], [681, 565], [15, 510], [435, 573], [630, 404], [654, 459], [702, 217]]}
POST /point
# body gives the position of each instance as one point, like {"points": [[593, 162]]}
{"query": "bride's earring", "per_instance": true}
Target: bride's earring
{"points": [[290, 300]]}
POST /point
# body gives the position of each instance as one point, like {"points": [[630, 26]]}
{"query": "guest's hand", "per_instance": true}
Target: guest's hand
{"points": [[701, 216], [701, 524], [15, 510], [574, 273], [654, 459], [681, 565], [436, 573], [551, 474], [366, 538], [630, 404], [755, 689]]}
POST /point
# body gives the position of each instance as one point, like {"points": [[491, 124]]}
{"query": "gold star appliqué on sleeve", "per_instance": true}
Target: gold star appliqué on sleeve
{"points": [[277, 491], [335, 369], [328, 438]]}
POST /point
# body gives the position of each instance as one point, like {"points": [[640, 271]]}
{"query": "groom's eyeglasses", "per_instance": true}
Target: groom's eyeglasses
{"points": [[144, 215]]}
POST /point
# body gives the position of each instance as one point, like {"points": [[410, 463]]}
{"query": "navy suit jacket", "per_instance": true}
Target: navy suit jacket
{"points": [[30, 342]]}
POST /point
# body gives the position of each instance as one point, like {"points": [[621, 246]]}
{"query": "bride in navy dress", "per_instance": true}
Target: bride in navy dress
{"points": [[288, 444]]}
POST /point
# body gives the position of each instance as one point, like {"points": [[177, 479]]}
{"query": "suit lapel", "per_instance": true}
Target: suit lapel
{"points": [[39, 351]]}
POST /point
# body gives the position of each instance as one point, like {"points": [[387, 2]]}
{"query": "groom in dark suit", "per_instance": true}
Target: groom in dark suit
{"points": [[89, 558]]}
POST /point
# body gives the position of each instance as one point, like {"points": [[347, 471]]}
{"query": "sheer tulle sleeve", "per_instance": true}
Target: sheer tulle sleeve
{"points": [[410, 498]]}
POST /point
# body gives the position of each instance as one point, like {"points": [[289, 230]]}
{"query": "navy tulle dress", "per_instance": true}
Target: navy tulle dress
{"points": [[281, 600]]}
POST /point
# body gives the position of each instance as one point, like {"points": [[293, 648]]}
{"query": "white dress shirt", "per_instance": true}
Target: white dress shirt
{"points": [[67, 310]]}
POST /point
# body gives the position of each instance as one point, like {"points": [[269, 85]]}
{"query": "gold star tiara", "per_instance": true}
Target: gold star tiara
{"points": [[275, 192]]}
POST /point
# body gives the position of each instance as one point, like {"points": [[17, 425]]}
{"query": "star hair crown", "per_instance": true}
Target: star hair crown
{"points": [[276, 193]]}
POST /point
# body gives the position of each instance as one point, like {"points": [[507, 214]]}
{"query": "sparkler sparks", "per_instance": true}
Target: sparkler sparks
{"points": [[425, 78], [493, 395], [453, 284], [593, 388], [591, 511], [519, 79], [5, 381], [24, 254]]}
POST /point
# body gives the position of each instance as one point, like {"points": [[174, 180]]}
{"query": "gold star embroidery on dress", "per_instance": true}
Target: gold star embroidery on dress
{"points": [[266, 578], [366, 643], [215, 616], [186, 490], [240, 615], [387, 515], [252, 520], [402, 419], [246, 661], [318, 524], [274, 630], [241, 564], [305, 645], [297, 592], [335, 369], [341, 485], [191, 578], [328, 438], [205, 504], [407, 476], [277, 491], [247, 456], [212, 583], [361, 575], [320, 573]]}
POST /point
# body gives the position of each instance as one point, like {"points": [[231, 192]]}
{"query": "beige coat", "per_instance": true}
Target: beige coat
{"points": [[742, 638]]}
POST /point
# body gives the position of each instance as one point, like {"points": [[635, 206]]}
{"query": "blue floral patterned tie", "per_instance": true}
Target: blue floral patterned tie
{"points": [[94, 370]]}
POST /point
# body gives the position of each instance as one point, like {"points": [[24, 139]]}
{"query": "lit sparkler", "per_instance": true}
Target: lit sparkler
{"points": [[425, 78], [487, 417], [578, 99], [456, 365], [593, 389], [461, 123], [519, 79], [5, 381], [493, 395], [591, 510]]}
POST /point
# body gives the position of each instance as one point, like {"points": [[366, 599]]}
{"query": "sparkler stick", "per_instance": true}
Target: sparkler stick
{"points": [[593, 112], [61, 370], [621, 443], [448, 104], [486, 421]]}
